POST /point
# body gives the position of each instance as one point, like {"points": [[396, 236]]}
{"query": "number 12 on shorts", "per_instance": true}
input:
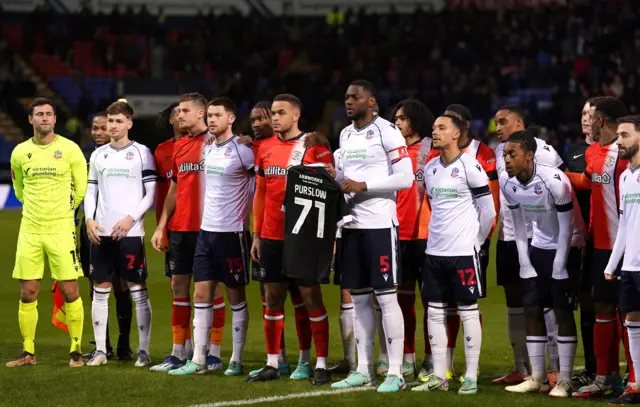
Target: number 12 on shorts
{"points": [[467, 277], [306, 208]]}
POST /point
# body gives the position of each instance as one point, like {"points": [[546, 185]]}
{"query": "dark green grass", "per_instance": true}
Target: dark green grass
{"points": [[52, 383]]}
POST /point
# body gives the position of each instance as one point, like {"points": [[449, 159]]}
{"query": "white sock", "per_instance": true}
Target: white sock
{"points": [[567, 346], [364, 327], [382, 344], [240, 323], [140, 297], [537, 348], [518, 338], [202, 320], [633, 330], [214, 350], [451, 351], [305, 355], [346, 331], [100, 316], [552, 338], [437, 320], [321, 362], [179, 351], [470, 316], [393, 324]]}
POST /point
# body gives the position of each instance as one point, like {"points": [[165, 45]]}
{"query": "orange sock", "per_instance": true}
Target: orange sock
{"points": [[217, 327]]}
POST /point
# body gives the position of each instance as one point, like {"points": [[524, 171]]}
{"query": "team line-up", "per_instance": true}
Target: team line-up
{"points": [[412, 201]]}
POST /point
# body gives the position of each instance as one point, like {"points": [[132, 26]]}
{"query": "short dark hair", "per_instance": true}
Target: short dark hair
{"points": [[102, 113], [594, 99], [165, 115], [225, 102], [120, 108], [462, 110], [456, 119], [41, 102], [526, 138], [194, 97], [265, 106], [417, 113], [288, 97], [515, 109], [366, 85], [611, 109], [634, 119]]}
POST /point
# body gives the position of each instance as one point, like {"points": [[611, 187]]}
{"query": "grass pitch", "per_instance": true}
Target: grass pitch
{"points": [[52, 383]]}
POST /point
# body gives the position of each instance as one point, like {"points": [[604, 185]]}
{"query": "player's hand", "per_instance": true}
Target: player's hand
{"points": [[93, 230], [331, 170], [122, 228], [247, 140], [610, 274], [255, 248], [159, 241], [353, 186], [527, 271], [315, 138]]}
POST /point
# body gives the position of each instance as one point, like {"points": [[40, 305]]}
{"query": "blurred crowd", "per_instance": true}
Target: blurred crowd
{"points": [[462, 55]]}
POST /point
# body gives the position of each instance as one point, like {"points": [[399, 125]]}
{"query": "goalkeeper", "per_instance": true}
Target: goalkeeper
{"points": [[49, 175]]}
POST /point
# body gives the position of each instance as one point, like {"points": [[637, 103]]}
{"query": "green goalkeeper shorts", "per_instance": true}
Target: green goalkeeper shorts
{"points": [[58, 248]]}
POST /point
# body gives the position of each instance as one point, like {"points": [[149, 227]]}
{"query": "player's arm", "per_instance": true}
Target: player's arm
{"points": [[619, 245], [401, 176], [563, 197], [161, 178], [149, 180], [487, 159], [478, 182], [520, 230], [90, 202], [16, 176], [247, 158], [79, 175], [424, 217], [158, 240]]}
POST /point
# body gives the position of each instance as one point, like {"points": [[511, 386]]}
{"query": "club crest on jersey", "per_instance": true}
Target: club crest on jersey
{"points": [[57, 154], [638, 179], [422, 159], [537, 189], [129, 155], [369, 135], [609, 161], [419, 175], [455, 173], [227, 152], [296, 156]]}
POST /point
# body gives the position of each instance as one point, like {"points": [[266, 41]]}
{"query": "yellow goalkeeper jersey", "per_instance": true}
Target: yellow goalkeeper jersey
{"points": [[50, 181]]}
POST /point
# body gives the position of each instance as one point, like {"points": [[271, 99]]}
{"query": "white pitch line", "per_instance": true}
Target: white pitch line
{"points": [[293, 396]]}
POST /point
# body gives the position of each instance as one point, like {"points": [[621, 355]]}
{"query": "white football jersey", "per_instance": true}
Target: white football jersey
{"points": [[451, 190], [630, 215], [228, 171], [367, 154], [545, 154], [120, 175], [547, 193]]}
